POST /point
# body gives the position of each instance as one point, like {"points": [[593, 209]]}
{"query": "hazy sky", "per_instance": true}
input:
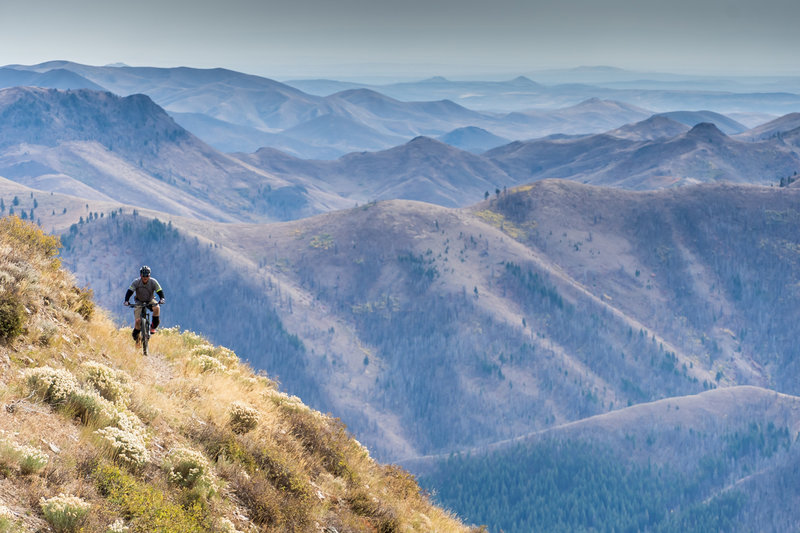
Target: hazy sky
{"points": [[293, 38]]}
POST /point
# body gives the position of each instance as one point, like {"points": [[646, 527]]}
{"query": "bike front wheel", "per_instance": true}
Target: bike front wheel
{"points": [[145, 334]]}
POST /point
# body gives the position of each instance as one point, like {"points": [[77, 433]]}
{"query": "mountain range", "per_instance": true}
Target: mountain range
{"points": [[442, 301], [129, 150], [236, 112]]}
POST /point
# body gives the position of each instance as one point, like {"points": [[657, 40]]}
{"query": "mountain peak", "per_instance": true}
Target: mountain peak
{"points": [[651, 128], [49, 116], [706, 131], [524, 81], [423, 141], [436, 79]]}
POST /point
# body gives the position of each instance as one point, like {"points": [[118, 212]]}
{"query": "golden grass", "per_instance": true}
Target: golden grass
{"points": [[502, 223], [295, 470]]}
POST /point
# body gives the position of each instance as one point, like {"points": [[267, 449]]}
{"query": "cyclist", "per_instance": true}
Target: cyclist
{"points": [[145, 288]]}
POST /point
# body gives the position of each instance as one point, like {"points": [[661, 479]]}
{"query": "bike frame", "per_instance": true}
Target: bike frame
{"points": [[145, 323]]}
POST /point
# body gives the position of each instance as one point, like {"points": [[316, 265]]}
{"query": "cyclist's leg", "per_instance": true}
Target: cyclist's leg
{"points": [[137, 327], [156, 314]]}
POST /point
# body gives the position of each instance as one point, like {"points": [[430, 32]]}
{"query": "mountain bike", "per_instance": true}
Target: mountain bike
{"points": [[144, 334]]}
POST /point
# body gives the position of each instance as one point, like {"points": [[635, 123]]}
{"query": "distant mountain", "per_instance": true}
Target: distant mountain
{"points": [[703, 154], [430, 107], [128, 149], [693, 118], [402, 118], [422, 169], [228, 137], [563, 88], [774, 128], [57, 78], [473, 139], [651, 129], [340, 134], [223, 94], [322, 87], [590, 116]]}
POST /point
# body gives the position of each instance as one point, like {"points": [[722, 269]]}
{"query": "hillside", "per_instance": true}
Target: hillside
{"points": [[430, 330], [187, 439], [717, 461]]}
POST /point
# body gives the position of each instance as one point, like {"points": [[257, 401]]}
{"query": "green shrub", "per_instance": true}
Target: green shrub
{"points": [[31, 459], [207, 363], [65, 513], [84, 304], [126, 438], [8, 522], [90, 407], [221, 444], [12, 316], [28, 459], [191, 470], [29, 237], [146, 506]]}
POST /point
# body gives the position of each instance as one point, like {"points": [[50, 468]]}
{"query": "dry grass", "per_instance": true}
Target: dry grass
{"points": [[284, 468]]}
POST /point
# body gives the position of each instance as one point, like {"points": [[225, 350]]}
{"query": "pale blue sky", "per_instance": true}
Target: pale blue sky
{"points": [[294, 38]]}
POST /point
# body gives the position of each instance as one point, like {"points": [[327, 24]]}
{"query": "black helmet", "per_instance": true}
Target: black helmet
{"points": [[144, 271]]}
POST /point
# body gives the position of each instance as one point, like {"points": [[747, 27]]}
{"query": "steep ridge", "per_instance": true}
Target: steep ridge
{"points": [[95, 437]]}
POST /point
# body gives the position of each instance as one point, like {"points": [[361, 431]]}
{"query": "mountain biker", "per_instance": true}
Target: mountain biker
{"points": [[145, 288]]}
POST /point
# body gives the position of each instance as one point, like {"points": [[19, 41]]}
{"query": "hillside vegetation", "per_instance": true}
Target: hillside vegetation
{"points": [[95, 437]]}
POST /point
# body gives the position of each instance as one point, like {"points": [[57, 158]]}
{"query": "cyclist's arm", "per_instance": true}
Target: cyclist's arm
{"points": [[159, 290], [128, 294]]}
